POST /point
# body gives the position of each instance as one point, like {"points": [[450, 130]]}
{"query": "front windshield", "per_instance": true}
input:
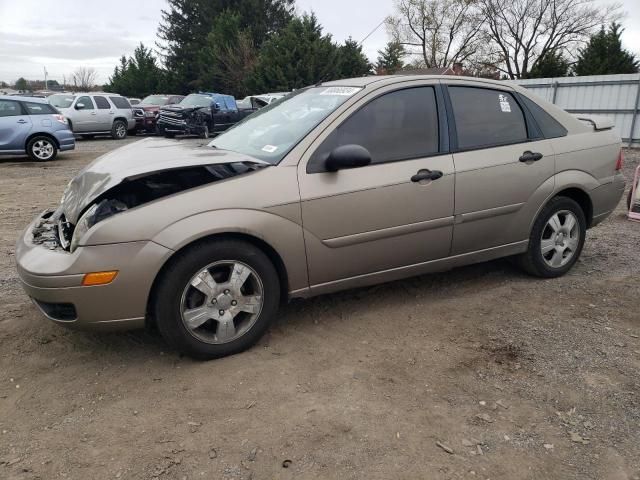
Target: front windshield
{"points": [[196, 101], [157, 100], [270, 133], [61, 101]]}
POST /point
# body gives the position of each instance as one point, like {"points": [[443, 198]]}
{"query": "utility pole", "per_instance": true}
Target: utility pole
{"points": [[46, 85]]}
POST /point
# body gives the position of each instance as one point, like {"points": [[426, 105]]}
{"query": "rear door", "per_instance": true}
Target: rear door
{"points": [[504, 168], [85, 115], [15, 126], [105, 113], [379, 217]]}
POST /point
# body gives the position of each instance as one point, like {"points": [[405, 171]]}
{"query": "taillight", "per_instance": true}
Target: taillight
{"points": [[60, 118], [620, 161]]}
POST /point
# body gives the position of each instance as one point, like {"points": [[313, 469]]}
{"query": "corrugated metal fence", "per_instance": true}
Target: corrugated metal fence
{"points": [[616, 96]]}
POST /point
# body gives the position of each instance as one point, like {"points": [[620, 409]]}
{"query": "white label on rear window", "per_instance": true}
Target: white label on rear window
{"points": [[504, 103], [343, 91], [269, 148]]}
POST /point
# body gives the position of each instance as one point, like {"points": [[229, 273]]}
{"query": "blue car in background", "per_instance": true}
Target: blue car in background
{"points": [[30, 125]]}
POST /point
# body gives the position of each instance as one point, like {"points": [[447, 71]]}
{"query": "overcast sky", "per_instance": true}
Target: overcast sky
{"points": [[66, 34]]}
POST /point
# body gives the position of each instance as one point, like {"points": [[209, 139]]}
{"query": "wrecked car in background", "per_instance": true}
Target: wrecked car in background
{"points": [[336, 186], [146, 112], [201, 114]]}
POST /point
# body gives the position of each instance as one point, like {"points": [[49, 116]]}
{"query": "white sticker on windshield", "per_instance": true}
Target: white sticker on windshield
{"points": [[344, 91], [269, 148], [504, 103]]}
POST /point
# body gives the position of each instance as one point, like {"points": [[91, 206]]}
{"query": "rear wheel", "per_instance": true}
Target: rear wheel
{"points": [[556, 240], [42, 149], [119, 130], [216, 299]]}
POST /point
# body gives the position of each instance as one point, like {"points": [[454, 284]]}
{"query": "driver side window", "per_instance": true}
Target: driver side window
{"points": [[86, 101], [396, 126]]}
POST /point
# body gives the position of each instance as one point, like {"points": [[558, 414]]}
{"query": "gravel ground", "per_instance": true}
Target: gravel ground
{"points": [[481, 372]]}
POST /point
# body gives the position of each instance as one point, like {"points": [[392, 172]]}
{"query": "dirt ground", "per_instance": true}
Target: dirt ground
{"points": [[515, 377]]}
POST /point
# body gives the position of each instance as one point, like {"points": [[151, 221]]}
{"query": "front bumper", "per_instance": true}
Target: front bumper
{"points": [[147, 124], [66, 140], [52, 277]]}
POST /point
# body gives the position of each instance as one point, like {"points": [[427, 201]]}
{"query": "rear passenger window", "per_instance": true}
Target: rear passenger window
{"points": [[102, 103], [549, 126], [120, 102], [486, 117], [9, 108], [39, 108], [400, 125]]}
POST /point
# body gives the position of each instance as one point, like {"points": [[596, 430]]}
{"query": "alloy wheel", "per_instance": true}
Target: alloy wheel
{"points": [[560, 239], [43, 149], [222, 302], [121, 130]]}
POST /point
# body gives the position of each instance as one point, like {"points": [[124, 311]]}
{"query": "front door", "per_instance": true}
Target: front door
{"points": [[504, 170], [395, 212], [14, 126], [85, 117]]}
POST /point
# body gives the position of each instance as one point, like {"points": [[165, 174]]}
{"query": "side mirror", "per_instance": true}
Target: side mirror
{"points": [[216, 107], [79, 106], [347, 156]]}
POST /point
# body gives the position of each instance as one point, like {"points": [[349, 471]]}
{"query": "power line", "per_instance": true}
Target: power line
{"points": [[372, 31]]}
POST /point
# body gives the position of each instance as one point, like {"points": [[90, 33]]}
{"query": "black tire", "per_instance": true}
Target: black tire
{"points": [[169, 135], [119, 130], [174, 279], [532, 261], [42, 149], [205, 132]]}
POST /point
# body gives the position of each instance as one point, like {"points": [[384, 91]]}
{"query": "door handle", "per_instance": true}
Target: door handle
{"points": [[530, 156], [426, 174], [22, 121], [94, 113]]}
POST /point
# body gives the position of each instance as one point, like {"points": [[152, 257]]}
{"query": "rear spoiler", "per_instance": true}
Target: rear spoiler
{"points": [[598, 122]]}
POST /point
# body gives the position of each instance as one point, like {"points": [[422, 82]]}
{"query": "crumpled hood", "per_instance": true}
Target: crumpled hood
{"points": [[143, 157]]}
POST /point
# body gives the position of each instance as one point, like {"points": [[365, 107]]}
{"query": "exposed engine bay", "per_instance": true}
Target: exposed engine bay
{"points": [[55, 232]]}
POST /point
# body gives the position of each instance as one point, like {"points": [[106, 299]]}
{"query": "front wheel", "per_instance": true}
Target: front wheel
{"points": [[556, 240], [217, 298], [42, 149], [119, 130]]}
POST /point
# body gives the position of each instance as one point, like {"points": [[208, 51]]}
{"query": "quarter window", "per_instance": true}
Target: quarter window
{"points": [[9, 108], [86, 101], [400, 125], [550, 127], [102, 103], [39, 108], [486, 117], [120, 102]]}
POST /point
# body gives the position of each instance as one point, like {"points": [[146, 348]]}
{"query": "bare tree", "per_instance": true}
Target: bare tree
{"points": [[523, 31], [441, 32], [84, 79]]}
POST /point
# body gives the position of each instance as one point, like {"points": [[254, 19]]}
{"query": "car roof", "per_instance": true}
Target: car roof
{"points": [[24, 98], [390, 79]]}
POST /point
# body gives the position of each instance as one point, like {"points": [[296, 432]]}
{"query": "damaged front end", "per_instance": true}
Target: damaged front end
{"points": [[54, 231]]}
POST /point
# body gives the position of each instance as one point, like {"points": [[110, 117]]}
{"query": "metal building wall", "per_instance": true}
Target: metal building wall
{"points": [[615, 96]]}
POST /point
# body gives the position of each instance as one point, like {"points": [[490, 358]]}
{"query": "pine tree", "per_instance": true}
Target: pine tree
{"points": [[136, 76], [298, 56], [352, 60], [390, 59], [552, 64], [187, 24], [604, 54]]}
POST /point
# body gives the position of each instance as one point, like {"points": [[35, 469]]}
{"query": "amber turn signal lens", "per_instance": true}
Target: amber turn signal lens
{"points": [[99, 278]]}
